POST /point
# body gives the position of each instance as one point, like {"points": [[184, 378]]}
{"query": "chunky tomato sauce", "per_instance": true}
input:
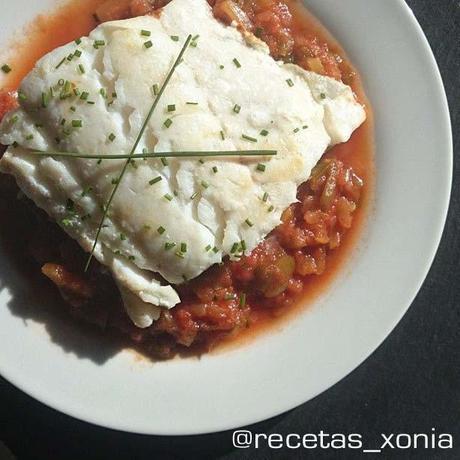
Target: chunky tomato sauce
{"points": [[290, 267]]}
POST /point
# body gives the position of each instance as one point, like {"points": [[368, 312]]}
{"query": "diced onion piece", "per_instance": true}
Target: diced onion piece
{"points": [[228, 11], [315, 65]]}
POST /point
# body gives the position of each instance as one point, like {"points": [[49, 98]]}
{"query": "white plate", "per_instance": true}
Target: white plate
{"points": [[286, 368]]}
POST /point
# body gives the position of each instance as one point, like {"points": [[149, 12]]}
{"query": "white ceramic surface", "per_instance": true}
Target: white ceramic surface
{"points": [[306, 356]]}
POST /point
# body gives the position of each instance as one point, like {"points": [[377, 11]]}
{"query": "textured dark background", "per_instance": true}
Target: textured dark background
{"points": [[410, 384]]}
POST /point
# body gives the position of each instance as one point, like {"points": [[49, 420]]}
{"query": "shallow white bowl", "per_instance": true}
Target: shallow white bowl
{"points": [[306, 356]]}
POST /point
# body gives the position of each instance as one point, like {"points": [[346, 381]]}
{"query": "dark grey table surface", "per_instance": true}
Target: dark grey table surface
{"points": [[411, 384]]}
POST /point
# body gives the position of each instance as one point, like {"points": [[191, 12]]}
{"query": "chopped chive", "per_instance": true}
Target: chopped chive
{"points": [[215, 250], [248, 138], [264, 133], [237, 108], [156, 180], [249, 223], [114, 95], [243, 245], [208, 248], [112, 137], [147, 227], [261, 167], [171, 108], [148, 44], [174, 38], [6, 68], [204, 184], [164, 161], [122, 237], [131, 258], [22, 96], [296, 130], [234, 248], [73, 108], [14, 119], [271, 208], [29, 137], [63, 122], [201, 161], [194, 195], [237, 63], [84, 95], [214, 169], [290, 82], [168, 122], [161, 230], [14, 144], [103, 93], [146, 33], [90, 102], [221, 67], [180, 254], [322, 96], [183, 247], [77, 123], [78, 41], [86, 191], [305, 127], [222, 135], [98, 43], [168, 197], [61, 82], [45, 100], [77, 53], [169, 246], [265, 197], [192, 103], [60, 63], [195, 38], [70, 57], [155, 89], [115, 181], [242, 300], [81, 68]]}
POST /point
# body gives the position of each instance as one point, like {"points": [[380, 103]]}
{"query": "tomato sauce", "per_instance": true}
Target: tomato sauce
{"points": [[286, 272]]}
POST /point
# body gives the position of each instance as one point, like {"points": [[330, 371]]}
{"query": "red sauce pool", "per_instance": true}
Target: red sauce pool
{"points": [[75, 18]]}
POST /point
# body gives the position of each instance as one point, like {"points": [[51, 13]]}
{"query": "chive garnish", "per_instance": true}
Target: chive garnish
{"points": [[296, 130], [81, 68], [98, 43], [248, 138], [234, 248], [174, 38], [70, 57], [168, 122], [77, 53], [265, 197], [156, 180], [183, 247], [169, 246], [201, 161], [164, 161], [242, 300], [214, 169], [6, 68], [161, 230], [21, 96], [84, 95], [221, 67], [215, 250], [271, 208], [237, 63], [322, 96], [45, 99], [194, 195], [155, 89], [103, 93], [222, 135], [29, 137], [112, 137], [192, 103], [148, 44], [178, 154], [264, 133], [208, 248], [78, 41], [180, 254], [204, 184], [77, 123], [14, 119], [243, 245], [73, 108], [168, 197], [290, 82], [60, 63], [249, 223], [122, 237], [305, 127], [261, 167], [146, 33], [171, 108], [237, 108]]}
